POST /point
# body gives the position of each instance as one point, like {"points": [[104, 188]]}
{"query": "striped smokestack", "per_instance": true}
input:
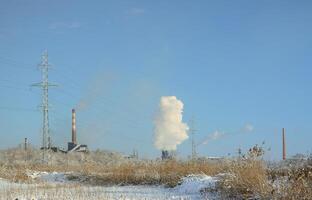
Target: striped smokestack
{"points": [[284, 145], [74, 134]]}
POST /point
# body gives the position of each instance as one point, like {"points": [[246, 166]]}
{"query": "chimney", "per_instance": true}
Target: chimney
{"points": [[74, 134], [25, 144], [284, 145]]}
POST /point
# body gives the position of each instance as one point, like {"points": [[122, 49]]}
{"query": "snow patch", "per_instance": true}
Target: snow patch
{"points": [[193, 184], [192, 187], [51, 177]]}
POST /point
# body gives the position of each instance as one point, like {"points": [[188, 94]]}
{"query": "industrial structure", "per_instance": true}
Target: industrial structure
{"points": [[284, 145], [192, 131], [44, 66], [73, 145], [168, 155], [44, 84]]}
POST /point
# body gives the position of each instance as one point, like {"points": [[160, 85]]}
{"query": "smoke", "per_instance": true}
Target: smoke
{"points": [[169, 130], [214, 136], [97, 87], [247, 128]]}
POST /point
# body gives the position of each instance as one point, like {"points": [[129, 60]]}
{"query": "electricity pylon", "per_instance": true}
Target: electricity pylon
{"points": [[44, 84], [192, 131]]}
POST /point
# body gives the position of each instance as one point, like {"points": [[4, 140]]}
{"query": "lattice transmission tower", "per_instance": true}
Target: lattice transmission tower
{"points": [[192, 131], [44, 85]]}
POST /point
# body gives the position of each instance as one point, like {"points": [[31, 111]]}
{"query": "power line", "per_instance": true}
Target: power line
{"points": [[72, 84], [17, 109], [12, 63]]}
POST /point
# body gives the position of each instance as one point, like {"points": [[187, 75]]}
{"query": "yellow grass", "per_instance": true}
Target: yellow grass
{"points": [[244, 177]]}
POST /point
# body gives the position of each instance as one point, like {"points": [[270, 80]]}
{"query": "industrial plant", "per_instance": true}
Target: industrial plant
{"points": [[73, 145], [155, 100]]}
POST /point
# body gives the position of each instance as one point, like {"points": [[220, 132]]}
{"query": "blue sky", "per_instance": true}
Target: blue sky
{"points": [[232, 63]]}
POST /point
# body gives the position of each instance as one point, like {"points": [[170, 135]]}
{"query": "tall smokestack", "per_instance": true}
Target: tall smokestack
{"points": [[74, 134], [284, 145], [25, 144]]}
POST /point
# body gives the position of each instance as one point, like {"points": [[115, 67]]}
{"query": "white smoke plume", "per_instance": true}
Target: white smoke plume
{"points": [[169, 130]]}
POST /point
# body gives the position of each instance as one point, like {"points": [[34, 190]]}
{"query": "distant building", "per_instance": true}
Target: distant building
{"points": [[168, 155], [77, 147]]}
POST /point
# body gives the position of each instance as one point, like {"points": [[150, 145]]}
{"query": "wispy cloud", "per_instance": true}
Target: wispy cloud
{"points": [[213, 136], [64, 25], [136, 11], [248, 128]]}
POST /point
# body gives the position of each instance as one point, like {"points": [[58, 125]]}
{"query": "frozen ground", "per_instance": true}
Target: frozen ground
{"points": [[56, 186]]}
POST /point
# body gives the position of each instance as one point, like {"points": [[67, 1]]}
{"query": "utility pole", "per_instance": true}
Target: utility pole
{"points": [[25, 144], [25, 150], [239, 151], [193, 132], [284, 144], [44, 85]]}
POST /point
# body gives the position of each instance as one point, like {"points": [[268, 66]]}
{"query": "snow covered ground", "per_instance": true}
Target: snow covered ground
{"points": [[56, 186]]}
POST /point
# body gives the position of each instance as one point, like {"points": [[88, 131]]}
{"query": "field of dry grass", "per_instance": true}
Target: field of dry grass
{"points": [[243, 178], [47, 192], [252, 177], [102, 168]]}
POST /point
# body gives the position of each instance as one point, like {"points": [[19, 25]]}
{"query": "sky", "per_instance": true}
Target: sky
{"points": [[241, 68]]}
